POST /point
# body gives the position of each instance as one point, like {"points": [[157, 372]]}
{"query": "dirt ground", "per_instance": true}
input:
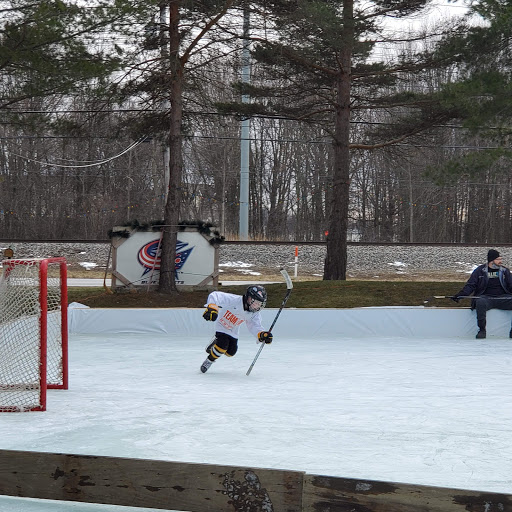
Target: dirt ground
{"points": [[266, 274]]}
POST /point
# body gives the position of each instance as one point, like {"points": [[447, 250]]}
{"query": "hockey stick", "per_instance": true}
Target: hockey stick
{"points": [[462, 297], [445, 297], [289, 286]]}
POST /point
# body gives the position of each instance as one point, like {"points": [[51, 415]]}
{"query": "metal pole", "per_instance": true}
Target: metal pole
{"points": [[244, 136]]}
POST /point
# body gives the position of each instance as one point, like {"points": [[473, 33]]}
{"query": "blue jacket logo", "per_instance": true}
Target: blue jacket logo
{"points": [[149, 256]]}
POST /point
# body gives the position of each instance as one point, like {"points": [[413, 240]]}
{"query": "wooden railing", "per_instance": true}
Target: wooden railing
{"points": [[179, 486]]}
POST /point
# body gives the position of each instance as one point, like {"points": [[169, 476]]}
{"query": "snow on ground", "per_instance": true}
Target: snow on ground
{"points": [[88, 265], [239, 266]]}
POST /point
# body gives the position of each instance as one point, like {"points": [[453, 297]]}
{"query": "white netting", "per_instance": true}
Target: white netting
{"points": [[21, 336]]}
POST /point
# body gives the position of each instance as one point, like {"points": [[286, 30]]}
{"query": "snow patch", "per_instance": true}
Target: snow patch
{"points": [[88, 265], [240, 266]]}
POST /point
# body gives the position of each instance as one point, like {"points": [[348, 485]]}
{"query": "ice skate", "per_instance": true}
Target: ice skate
{"points": [[207, 363]]}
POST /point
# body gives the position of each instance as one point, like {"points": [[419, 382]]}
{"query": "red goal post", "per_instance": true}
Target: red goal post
{"points": [[33, 332]]}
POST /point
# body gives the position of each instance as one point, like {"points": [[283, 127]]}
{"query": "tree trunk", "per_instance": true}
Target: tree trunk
{"points": [[167, 283], [336, 259]]}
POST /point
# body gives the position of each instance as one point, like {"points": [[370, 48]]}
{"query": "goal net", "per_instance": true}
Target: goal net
{"points": [[33, 332]]}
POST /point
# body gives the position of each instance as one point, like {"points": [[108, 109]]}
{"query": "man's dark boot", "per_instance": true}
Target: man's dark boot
{"points": [[481, 323]]}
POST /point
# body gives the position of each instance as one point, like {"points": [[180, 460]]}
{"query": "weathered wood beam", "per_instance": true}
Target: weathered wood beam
{"points": [[328, 494], [148, 483], [211, 488]]}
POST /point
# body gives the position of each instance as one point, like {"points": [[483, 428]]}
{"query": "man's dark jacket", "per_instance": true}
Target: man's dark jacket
{"points": [[477, 283]]}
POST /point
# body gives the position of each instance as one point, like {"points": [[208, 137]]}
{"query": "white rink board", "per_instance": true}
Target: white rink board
{"points": [[408, 322]]}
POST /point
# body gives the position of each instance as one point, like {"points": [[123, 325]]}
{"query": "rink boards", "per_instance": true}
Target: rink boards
{"points": [[408, 322]]}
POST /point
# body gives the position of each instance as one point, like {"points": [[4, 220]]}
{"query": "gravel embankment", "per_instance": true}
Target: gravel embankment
{"points": [[364, 262], [370, 261]]}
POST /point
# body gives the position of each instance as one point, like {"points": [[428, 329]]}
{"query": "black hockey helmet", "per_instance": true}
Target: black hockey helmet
{"points": [[255, 298]]}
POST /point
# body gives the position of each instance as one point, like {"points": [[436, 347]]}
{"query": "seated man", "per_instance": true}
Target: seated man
{"points": [[491, 284]]}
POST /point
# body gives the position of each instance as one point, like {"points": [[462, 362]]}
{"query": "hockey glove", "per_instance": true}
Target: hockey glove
{"points": [[211, 313], [265, 337]]}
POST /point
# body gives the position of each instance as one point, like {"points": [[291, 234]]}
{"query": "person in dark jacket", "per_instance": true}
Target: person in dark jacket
{"points": [[491, 284]]}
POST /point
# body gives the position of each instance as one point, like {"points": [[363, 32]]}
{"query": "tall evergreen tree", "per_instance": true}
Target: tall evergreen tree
{"points": [[190, 33], [321, 69]]}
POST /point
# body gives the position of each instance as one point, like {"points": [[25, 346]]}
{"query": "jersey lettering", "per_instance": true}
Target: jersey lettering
{"points": [[230, 320], [494, 287]]}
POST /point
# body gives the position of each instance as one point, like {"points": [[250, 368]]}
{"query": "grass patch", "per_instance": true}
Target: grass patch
{"points": [[306, 294]]}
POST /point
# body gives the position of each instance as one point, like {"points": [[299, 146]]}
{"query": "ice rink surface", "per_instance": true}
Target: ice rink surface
{"points": [[432, 412]]}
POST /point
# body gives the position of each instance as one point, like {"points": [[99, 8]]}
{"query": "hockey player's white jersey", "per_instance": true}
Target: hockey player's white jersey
{"points": [[232, 314]]}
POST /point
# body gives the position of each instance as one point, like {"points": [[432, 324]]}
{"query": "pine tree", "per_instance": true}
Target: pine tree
{"points": [[481, 98], [186, 37], [55, 47], [320, 69]]}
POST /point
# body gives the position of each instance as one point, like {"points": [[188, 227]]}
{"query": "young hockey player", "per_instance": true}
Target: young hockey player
{"points": [[229, 311]]}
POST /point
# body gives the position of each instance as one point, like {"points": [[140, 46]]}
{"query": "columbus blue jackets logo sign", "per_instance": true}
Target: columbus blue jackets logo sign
{"points": [[149, 257], [182, 254]]}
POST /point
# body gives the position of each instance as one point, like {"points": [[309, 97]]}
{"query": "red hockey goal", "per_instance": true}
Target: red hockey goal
{"points": [[33, 332]]}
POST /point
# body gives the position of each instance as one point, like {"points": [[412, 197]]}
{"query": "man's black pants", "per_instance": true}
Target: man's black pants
{"points": [[486, 302]]}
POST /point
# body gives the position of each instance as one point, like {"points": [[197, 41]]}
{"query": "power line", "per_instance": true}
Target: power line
{"points": [[203, 113], [237, 138], [74, 166]]}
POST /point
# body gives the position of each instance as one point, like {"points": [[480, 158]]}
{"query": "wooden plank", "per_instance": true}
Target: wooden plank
{"points": [[329, 494], [149, 483]]}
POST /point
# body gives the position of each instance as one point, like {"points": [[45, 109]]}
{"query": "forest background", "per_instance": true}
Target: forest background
{"points": [[404, 139]]}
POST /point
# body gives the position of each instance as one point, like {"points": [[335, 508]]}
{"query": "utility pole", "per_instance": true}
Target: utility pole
{"points": [[245, 134]]}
